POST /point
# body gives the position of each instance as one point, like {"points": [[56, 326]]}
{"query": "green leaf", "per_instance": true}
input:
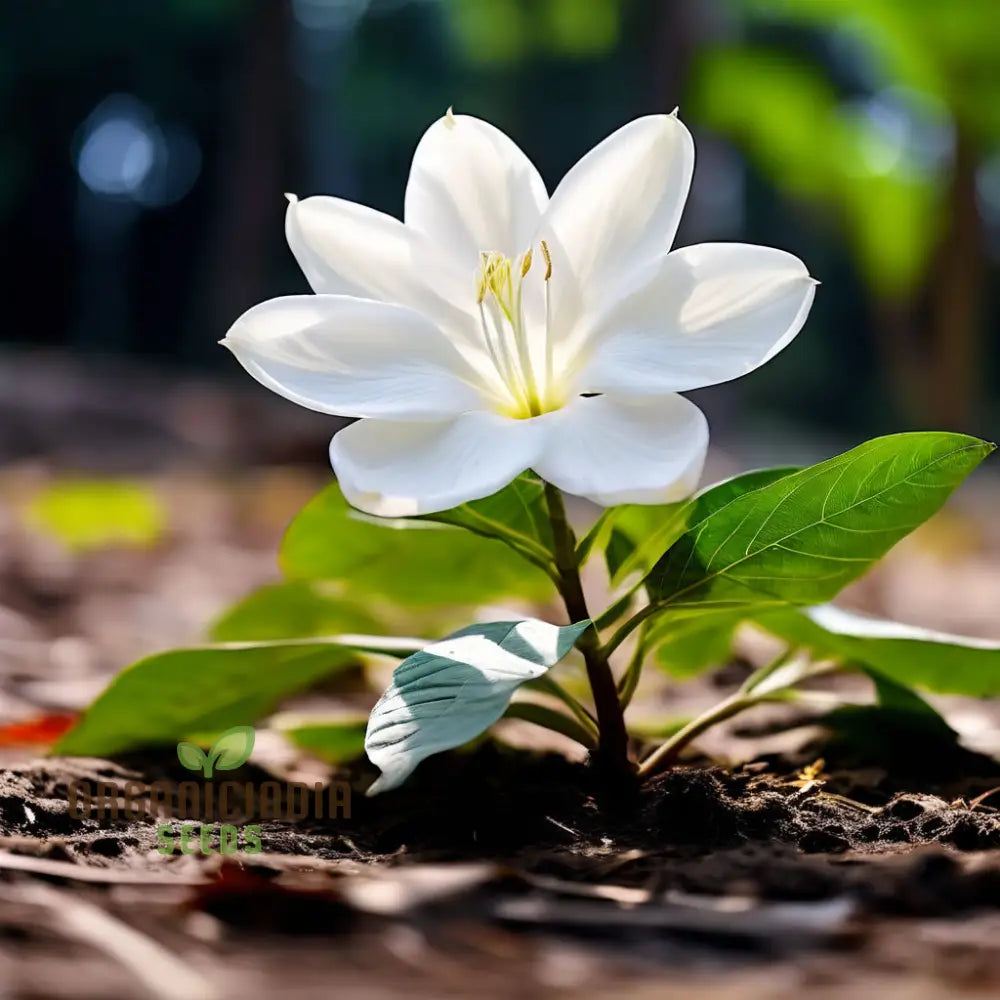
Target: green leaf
{"points": [[597, 535], [192, 757], [166, 697], [650, 531], [409, 561], [642, 534], [89, 514], [618, 551], [336, 741], [517, 515], [639, 537], [298, 609], [550, 718], [450, 692], [906, 654], [801, 539], [900, 731], [233, 748], [691, 646]]}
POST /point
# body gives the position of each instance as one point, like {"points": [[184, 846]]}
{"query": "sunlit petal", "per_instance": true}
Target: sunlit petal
{"points": [[353, 357], [699, 316], [348, 249], [471, 189], [616, 210], [395, 469], [613, 450]]}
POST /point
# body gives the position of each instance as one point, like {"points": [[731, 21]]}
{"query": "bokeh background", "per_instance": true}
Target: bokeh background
{"points": [[146, 146], [144, 151]]}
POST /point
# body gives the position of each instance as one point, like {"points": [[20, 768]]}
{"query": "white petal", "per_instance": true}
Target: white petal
{"points": [[472, 189], [613, 450], [616, 210], [396, 469], [348, 249], [701, 315], [353, 357]]}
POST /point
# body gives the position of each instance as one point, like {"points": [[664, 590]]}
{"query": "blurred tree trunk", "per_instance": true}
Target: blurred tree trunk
{"points": [[249, 198], [903, 361], [671, 27], [954, 335], [932, 349]]}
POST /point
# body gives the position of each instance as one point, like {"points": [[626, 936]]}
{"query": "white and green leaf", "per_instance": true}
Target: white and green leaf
{"points": [[907, 654], [450, 692]]}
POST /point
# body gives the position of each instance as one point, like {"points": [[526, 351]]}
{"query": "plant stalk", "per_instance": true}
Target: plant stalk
{"points": [[612, 746], [666, 755], [627, 628], [542, 715], [748, 695]]}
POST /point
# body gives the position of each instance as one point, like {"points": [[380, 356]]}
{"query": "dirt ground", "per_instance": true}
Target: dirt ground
{"points": [[498, 872]]}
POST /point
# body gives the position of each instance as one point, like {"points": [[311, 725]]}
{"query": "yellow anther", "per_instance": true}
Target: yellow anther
{"points": [[548, 260], [495, 277], [526, 262]]}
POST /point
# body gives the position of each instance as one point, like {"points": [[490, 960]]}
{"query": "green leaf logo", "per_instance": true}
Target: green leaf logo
{"points": [[231, 750], [192, 757]]}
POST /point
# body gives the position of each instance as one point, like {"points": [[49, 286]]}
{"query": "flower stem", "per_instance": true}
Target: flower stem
{"points": [[612, 747], [755, 691], [548, 718], [628, 627], [666, 755]]}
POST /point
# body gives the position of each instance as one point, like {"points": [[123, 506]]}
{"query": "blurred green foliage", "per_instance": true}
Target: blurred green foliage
{"points": [[300, 608], [882, 116], [495, 32], [855, 109], [87, 514], [789, 120], [335, 741], [946, 51]]}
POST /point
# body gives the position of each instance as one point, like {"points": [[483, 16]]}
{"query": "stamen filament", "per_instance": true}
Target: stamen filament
{"points": [[524, 354], [501, 357], [549, 373], [500, 296]]}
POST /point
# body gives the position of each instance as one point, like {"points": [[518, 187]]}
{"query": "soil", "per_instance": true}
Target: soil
{"points": [[502, 868]]}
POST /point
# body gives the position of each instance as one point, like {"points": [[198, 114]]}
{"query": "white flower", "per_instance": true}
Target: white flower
{"points": [[497, 330]]}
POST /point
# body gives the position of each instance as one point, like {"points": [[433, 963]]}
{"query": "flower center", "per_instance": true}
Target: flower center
{"points": [[500, 293]]}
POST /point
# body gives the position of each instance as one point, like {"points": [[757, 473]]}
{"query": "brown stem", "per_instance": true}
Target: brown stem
{"points": [[612, 747]]}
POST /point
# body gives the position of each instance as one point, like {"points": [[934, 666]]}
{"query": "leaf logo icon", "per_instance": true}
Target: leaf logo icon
{"points": [[192, 757], [231, 750]]}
